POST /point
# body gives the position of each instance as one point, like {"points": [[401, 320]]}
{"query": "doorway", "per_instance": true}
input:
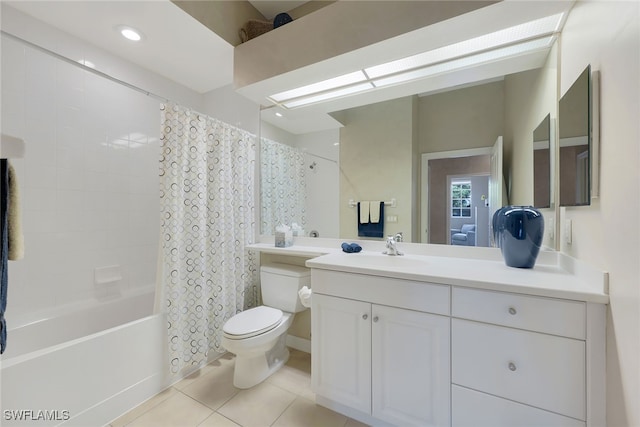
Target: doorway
{"points": [[474, 161]]}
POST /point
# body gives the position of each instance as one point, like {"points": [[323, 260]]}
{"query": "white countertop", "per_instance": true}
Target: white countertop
{"points": [[542, 280], [554, 275]]}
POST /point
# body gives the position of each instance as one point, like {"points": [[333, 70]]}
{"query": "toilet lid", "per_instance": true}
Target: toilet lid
{"points": [[252, 322]]}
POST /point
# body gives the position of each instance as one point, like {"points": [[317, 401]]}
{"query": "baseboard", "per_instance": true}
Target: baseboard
{"points": [[298, 343]]}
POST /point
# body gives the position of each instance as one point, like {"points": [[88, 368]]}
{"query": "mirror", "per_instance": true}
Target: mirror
{"points": [[376, 154], [575, 142], [542, 164]]}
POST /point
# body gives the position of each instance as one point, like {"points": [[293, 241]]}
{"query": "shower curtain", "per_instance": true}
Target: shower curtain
{"points": [[283, 188], [205, 273]]}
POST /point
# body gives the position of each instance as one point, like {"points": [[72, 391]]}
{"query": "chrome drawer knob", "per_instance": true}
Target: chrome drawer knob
{"points": [[375, 319], [365, 316], [512, 311], [512, 366]]}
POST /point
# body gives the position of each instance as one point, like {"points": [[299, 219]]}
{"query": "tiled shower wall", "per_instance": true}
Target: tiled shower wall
{"points": [[89, 181]]}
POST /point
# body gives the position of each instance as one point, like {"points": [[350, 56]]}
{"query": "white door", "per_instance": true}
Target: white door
{"points": [[341, 350], [410, 367], [496, 182]]}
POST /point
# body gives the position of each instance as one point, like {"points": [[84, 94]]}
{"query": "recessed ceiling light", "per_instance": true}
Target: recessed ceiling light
{"points": [[129, 33], [278, 114]]}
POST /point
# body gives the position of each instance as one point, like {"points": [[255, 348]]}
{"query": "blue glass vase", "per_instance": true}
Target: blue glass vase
{"points": [[518, 231]]}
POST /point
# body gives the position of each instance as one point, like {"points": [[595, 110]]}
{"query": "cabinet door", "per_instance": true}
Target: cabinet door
{"points": [[341, 350], [410, 367]]}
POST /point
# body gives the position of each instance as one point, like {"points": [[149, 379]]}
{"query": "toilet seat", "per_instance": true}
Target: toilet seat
{"points": [[252, 322]]}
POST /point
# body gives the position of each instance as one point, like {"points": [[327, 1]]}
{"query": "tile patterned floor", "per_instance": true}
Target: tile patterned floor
{"points": [[208, 398]]}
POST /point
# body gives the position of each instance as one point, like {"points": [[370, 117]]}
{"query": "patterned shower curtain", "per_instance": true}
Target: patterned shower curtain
{"points": [[205, 274], [283, 189]]}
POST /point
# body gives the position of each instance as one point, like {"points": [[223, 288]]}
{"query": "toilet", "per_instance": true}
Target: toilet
{"points": [[257, 336]]}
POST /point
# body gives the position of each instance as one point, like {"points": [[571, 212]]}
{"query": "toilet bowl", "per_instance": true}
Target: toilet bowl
{"points": [[257, 336]]}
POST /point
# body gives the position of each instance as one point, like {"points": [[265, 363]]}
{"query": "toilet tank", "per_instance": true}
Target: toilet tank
{"points": [[280, 284]]}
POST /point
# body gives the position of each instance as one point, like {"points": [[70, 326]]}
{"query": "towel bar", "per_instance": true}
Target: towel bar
{"points": [[391, 203]]}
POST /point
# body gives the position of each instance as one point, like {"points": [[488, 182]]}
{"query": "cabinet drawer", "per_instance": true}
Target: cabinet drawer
{"points": [[540, 370], [474, 409], [413, 295], [552, 316]]}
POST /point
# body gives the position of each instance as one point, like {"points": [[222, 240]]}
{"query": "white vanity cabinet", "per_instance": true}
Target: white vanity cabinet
{"points": [[389, 363], [418, 341], [529, 363]]}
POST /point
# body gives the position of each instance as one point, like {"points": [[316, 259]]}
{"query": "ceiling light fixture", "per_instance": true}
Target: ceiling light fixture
{"points": [[511, 35], [129, 33], [349, 90], [333, 83], [467, 61], [519, 39]]}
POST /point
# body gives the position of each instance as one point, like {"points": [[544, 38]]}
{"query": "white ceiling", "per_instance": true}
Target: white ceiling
{"points": [[175, 45], [183, 50]]}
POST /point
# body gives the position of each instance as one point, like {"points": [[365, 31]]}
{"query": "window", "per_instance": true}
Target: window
{"points": [[461, 199]]}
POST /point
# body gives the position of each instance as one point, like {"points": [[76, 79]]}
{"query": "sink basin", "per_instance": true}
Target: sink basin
{"points": [[379, 260]]}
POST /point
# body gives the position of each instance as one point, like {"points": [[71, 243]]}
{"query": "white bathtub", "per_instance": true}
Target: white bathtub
{"points": [[83, 368]]}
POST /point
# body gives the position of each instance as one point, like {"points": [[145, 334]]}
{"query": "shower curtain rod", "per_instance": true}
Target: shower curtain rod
{"points": [[320, 157], [84, 67]]}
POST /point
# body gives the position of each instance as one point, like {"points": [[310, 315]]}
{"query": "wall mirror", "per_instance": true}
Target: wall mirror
{"points": [[542, 179], [375, 155], [576, 150]]}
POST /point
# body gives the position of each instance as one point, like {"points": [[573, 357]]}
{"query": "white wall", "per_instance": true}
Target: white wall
{"points": [[226, 105], [378, 138], [323, 184], [606, 34], [89, 180]]}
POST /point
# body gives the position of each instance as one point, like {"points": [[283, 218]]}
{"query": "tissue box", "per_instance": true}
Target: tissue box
{"points": [[284, 239]]}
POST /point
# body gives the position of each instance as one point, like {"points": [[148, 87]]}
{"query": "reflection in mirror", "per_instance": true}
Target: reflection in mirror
{"points": [[542, 164], [574, 129], [374, 152], [283, 187], [299, 181]]}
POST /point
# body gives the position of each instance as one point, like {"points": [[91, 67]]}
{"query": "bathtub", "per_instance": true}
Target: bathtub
{"points": [[83, 368]]}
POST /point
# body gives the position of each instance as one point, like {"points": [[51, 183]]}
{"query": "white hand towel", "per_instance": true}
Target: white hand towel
{"points": [[374, 211], [364, 212]]}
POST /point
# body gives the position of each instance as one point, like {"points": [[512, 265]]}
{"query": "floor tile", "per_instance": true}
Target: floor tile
{"points": [[291, 379], [213, 389], [217, 420], [258, 406], [305, 413], [178, 410], [143, 407], [354, 423], [222, 361]]}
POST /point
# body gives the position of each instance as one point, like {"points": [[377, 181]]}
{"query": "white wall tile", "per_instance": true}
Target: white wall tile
{"points": [[89, 180]]}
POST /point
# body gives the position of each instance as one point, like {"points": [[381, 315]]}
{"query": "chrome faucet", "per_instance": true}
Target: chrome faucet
{"points": [[392, 248]]}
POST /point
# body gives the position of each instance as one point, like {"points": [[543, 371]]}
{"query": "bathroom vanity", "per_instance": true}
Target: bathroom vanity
{"points": [[444, 336], [444, 341]]}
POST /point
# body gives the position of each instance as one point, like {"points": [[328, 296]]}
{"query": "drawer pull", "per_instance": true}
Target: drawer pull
{"points": [[375, 319], [512, 311], [365, 316], [512, 366]]}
